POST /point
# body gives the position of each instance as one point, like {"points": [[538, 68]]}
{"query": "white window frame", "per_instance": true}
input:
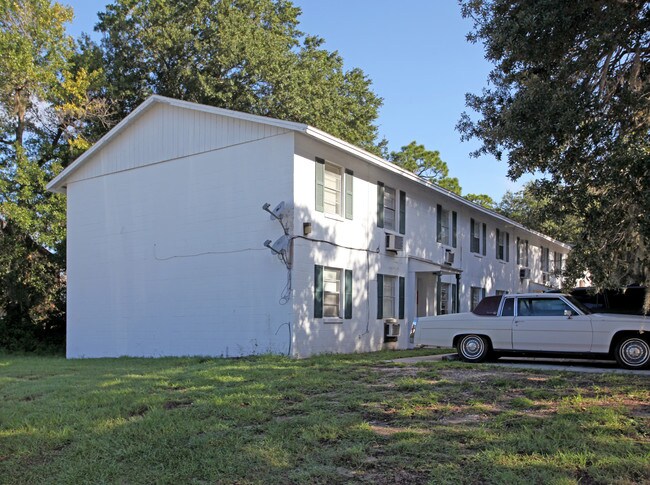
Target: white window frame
{"points": [[336, 172], [501, 246], [389, 302], [332, 286], [478, 235], [445, 226], [388, 192]]}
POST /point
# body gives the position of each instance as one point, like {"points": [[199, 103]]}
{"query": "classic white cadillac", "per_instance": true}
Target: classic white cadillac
{"points": [[539, 323]]}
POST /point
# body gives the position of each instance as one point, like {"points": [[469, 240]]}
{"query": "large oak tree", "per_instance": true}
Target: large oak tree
{"points": [[569, 96]]}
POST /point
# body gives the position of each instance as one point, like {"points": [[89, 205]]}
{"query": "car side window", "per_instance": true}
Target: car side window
{"points": [[508, 308], [541, 307]]}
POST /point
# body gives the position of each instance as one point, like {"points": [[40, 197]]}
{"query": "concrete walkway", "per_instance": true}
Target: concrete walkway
{"points": [[538, 363]]}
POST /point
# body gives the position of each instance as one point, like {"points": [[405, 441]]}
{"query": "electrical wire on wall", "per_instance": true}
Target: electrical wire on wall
{"points": [[205, 253]]}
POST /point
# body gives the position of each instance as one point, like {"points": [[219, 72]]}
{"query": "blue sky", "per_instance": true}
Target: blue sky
{"points": [[420, 63]]}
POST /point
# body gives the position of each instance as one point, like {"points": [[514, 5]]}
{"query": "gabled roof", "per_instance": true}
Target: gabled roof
{"points": [[58, 184]]}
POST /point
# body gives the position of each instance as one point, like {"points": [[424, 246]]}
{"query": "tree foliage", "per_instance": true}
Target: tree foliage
{"points": [[45, 106], [246, 55], [482, 200], [569, 96], [426, 164]]}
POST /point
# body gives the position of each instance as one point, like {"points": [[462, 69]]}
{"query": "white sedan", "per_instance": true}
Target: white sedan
{"points": [[539, 324]]}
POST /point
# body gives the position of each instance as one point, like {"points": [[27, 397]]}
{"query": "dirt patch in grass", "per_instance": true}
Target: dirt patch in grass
{"points": [[182, 404]]}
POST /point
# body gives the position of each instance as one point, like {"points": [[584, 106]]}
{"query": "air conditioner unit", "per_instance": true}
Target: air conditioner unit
{"points": [[449, 256], [391, 327], [394, 242], [524, 273]]}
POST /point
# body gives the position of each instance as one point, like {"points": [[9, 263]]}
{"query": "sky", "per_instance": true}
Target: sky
{"points": [[420, 63]]}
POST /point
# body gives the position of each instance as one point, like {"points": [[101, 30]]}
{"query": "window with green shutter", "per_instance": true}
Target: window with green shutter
{"points": [[348, 294], [318, 291]]}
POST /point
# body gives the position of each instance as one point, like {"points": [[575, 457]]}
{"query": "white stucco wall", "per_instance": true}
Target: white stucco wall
{"points": [[167, 259]]}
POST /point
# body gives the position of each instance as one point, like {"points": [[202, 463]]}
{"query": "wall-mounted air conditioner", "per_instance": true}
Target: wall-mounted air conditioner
{"points": [[391, 327], [524, 273], [449, 256], [394, 242]]}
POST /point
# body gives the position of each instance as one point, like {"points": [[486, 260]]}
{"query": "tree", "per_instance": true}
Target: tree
{"points": [[45, 104], [535, 209], [482, 200], [246, 55], [426, 164], [570, 97]]}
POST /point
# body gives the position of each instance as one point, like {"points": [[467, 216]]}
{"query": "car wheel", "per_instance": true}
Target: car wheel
{"points": [[473, 348], [633, 353]]}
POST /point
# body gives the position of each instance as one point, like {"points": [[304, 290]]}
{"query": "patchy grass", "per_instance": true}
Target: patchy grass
{"points": [[330, 419]]}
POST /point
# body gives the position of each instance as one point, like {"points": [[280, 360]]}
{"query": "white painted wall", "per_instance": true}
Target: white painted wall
{"points": [[167, 259], [165, 233], [364, 331]]}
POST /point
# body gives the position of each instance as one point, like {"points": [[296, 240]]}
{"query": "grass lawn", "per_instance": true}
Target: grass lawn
{"points": [[330, 419]]}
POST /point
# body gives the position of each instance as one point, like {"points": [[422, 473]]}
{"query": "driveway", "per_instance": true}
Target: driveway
{"points": [[539, 363]]}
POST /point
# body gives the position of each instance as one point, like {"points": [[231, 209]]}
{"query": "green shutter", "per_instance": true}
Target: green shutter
{"points": [[526, 255], [497, 244], [318, 291], [454, 229], [484, 239], [438, 295], [454, 295], [380, 205], [349, 199], [438, 223], [348, 294], [380, 296], [402, 212], [402, 284], [518, 259], [507, 247], [320, 184]]}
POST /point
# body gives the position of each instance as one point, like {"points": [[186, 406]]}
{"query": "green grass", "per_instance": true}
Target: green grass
{"points": [[329, 419]]}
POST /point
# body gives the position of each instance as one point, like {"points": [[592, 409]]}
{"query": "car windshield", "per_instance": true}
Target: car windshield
{"points": [[578, 305]]}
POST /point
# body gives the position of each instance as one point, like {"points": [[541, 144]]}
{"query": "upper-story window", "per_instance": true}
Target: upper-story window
{"points": [[522, 252], [446, 226], [545, 264], [503, 246], [391, 208], [334, 187], [390, 204], [477, 237], [558, 263]]}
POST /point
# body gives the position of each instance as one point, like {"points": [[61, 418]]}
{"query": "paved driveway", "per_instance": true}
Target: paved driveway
{"points": [[540, 363]]}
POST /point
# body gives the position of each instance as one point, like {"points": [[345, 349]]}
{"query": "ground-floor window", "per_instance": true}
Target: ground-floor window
{"points": [[388, 302], [447, 299], [331, 292], [477, 294]]}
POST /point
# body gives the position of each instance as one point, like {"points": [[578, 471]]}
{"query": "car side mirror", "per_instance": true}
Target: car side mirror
{"points": [[568, 313]]}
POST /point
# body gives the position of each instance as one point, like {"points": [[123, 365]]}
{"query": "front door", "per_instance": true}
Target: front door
{"points": [[541, 325]]}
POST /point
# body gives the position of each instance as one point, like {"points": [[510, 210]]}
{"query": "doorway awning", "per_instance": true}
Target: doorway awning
{"points": [[423, 265]]}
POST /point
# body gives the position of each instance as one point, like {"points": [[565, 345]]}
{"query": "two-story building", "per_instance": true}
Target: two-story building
{"points": [[194, 230]]}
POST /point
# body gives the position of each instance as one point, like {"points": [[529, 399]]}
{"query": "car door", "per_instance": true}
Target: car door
{"points": [[541, 324]]}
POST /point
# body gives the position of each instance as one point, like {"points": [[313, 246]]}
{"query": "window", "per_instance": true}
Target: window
{"points": [[390, 296], [333, 189], [446, 226], [541, 307], [329, 299], [546, 264], [331, 293], [445, 299], [477, 237], [558, 263], [477, 295], [522, 252], [388, 208], [388, 302], [503, 246], [332, 198], [508, 308]]}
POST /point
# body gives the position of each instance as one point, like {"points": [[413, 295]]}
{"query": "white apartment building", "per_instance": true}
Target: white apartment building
{"points": [[194, 230]]}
